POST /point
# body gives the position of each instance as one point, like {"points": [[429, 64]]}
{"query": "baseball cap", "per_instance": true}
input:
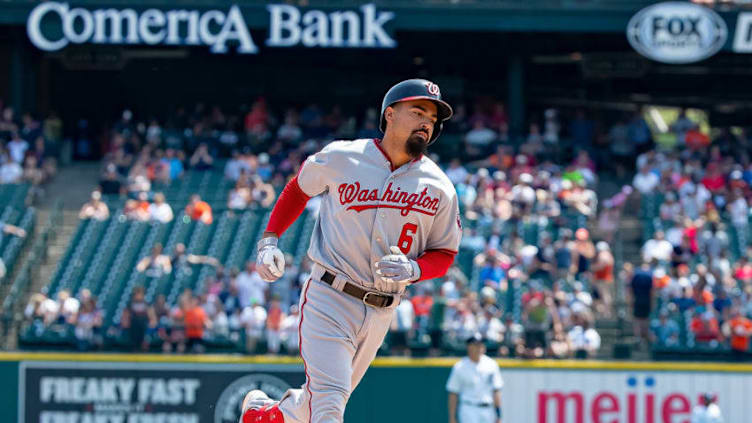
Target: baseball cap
{"points": [[476, 338]]}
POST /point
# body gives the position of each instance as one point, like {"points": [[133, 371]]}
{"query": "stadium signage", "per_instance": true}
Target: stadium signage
{"points": [[143, 392], [621, 396], [743, 34], [607, 405], [288, 26], [314, 28], [676, 32]]}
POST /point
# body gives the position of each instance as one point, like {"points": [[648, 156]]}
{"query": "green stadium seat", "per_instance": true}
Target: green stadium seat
{"points": [[51, 288], [240, 247], [13, 245], [220, 244], [181, 231], [154, 233]]}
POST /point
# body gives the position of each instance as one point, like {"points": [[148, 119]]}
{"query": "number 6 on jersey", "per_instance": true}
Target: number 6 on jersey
{"points": [[406, 239]]}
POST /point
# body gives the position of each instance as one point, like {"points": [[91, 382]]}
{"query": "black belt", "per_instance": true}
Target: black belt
{"points": [[484, 405], [370, 298]]}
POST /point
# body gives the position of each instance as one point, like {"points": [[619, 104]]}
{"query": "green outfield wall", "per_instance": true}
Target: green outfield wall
{"points": [[78, 388]]}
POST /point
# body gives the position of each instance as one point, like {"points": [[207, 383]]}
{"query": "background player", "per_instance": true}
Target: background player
{"points": [[475, 382], [389, 217], [707, 411]]}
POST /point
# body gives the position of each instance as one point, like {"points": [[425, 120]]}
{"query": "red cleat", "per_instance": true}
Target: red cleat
{"points": [[265, 414], [258, 408]]}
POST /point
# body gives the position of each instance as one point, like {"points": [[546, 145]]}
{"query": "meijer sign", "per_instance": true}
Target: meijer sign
{"points": [[288, 26], [677, 32], [620, 396]]}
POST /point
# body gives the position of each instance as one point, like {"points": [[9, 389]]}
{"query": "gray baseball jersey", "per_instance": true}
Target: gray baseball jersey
{"points": [[366, 208]]}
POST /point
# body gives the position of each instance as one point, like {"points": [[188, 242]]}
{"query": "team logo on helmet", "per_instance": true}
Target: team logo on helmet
{"points": [[433, 89]]}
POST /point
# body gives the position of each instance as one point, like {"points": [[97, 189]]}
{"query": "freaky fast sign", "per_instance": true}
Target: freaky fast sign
{"points": [[217, 29], [89, 392]]}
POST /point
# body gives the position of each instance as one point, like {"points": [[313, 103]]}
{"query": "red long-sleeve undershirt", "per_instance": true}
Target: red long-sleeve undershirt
{"points": [[289, 207], [435, 263], [292, 202]]}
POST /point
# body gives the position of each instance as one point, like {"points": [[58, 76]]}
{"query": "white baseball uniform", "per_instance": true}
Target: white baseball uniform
{"points": [[710, 414], [366, 207], [474, 384]]}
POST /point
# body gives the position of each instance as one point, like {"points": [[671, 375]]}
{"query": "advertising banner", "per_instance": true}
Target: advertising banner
{"points": [[677, 32], [603, 396], [82, 392], [52, 26], [100, 389]]}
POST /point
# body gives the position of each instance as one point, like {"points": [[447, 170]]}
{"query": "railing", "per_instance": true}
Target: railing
{"points": [[37, 253]]}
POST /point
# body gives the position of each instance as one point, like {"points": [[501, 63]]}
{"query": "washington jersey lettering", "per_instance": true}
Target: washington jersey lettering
{"points": [[366, 207]]}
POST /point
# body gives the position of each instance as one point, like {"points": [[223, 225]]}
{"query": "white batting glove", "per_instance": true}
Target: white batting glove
{"points": [[270, 262], [396, 270]]}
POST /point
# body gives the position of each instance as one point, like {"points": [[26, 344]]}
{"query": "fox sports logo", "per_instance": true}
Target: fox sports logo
{"points": [[674, 32]]}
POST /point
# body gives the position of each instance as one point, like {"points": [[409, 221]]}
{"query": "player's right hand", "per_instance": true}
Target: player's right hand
{"points": [[270, 261]]}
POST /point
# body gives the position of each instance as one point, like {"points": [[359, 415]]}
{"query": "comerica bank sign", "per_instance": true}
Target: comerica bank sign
{"points": [[288, 26]]}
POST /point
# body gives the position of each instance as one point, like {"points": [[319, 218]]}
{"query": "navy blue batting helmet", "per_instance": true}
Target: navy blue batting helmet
{"points": [[417, 89]]}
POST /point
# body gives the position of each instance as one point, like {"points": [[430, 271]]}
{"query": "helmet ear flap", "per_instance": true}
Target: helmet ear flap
{"points": [[436, 131]]}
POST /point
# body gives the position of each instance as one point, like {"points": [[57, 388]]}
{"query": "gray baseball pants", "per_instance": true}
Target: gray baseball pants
{"points": [[339, 338]]}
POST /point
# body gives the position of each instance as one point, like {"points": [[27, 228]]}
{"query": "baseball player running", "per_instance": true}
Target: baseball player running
{"points": [[476, 382], [388, 218]]}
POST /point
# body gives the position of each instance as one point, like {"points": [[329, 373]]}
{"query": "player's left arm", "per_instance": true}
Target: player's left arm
{"points": [[498, 383], [497, 404]]}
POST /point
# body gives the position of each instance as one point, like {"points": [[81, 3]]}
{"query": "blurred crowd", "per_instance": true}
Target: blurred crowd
{"points": [[238, 307], [535, 268], [693, 288], [531, 278], [29, 147], [143, 209], [250, 146]]}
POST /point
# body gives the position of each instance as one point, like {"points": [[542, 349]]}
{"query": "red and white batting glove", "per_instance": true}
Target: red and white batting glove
{"points": [[270, 262], [396, 271]]}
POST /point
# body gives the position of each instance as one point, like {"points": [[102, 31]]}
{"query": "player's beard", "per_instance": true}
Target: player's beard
{"points": [[415, 145]]}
